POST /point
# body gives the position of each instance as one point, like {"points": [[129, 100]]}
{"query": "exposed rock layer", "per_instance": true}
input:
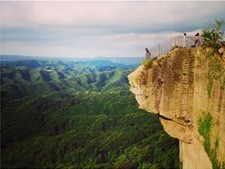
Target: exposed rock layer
{"points": [[175, 88]]}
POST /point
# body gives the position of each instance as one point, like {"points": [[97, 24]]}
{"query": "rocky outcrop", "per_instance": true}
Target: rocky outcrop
{"points": [[177, 87]]}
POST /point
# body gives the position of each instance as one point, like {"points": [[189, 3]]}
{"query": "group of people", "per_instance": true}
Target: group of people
{"points": [[196, 44]]}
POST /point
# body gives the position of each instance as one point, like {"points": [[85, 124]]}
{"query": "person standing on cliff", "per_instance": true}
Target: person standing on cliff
{"points": [[197, 40], [184, 41], [147, 54]]}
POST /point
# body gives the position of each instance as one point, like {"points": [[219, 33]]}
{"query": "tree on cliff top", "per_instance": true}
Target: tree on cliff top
{"points": [[213, 35]]}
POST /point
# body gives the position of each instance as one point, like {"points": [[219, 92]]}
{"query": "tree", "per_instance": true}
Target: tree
{"points": [[213, 35]]}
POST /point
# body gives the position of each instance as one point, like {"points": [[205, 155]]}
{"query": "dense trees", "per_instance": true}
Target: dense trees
{"points": [[99, 126], [212, 36]]}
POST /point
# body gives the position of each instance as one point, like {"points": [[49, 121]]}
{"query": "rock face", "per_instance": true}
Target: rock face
{"points": [[176, 87]]}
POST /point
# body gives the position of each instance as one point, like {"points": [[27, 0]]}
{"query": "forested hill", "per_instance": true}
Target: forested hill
{"points": [[31, 77], [67, 114]]}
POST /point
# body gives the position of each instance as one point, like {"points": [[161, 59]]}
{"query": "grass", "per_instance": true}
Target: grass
{"points": [[205, 126], [216, 72], [147, 63]]}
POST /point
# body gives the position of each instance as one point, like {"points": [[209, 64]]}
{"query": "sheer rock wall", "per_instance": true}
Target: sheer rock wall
{"points": [[175, 88]]}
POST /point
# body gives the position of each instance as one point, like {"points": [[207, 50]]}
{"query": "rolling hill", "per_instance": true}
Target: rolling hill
{"points": [[66, 114]]}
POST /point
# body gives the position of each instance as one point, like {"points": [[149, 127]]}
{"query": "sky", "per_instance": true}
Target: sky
{"points": [[99, 28]]}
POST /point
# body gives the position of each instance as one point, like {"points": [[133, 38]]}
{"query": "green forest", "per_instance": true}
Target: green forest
{"points": [[78, 114]]}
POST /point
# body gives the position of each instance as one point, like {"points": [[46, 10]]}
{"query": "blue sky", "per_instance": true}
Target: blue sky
{"points": [[99, 28]]}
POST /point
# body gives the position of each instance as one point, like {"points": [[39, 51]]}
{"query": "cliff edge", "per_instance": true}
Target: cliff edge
{"points": [[186, 89]]}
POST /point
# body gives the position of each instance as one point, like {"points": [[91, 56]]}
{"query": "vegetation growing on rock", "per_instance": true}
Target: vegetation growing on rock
{"points": [[212, 36], [205, 128]]}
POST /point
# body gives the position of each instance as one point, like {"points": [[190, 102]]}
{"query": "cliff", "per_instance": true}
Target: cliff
{"points": [[186, 90]]}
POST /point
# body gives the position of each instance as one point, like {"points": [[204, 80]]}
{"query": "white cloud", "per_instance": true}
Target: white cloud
{"points": [[98, 28], [105, 13]]}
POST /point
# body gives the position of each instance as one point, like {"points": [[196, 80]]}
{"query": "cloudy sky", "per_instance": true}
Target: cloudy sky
{"points": [[99, 28]]}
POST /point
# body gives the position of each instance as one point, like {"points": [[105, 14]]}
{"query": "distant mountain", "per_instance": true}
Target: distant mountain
{"points": [[15, 57], [100, 63], [123, 60], [120, 60], [30, 63]]}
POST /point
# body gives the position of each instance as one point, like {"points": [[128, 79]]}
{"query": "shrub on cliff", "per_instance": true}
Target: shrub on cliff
{"points": [[213, 35], [147, 63]]}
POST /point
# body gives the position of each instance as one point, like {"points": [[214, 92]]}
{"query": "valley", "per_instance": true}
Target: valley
{"points": [[63, 114]]}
